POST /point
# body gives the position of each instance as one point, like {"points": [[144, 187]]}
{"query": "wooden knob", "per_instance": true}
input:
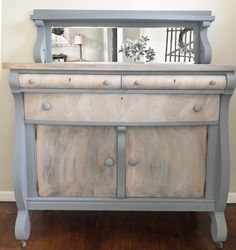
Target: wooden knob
{"points": [[133, 162], [212, 82], [197, 108], [136, 82], [45, 106], [32, 81], [106, 82], [109, 162]]}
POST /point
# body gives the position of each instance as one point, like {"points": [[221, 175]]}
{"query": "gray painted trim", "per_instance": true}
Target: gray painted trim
{"points": [[122, 23], [19, 161], [48, 42], [119, 205], [40, 44], [111, 199], [83, 123], [218, 226], [123, 91], [231, 83], [212, 160], [123, 15], [222, 172], [205, 47], [14, 81], [196, 44], [31, 160], [22, 226], [121, 169]]}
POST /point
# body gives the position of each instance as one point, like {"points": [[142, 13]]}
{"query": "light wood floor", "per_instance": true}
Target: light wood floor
{"points": [[74, 230]]}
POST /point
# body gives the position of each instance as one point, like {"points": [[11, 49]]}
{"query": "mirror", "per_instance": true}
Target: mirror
{"points": [[99, 44]]}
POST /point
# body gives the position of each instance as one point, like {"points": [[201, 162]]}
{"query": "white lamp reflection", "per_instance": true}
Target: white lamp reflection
{"points": [[79, 40]]}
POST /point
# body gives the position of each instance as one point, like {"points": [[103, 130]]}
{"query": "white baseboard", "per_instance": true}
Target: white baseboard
{"points": [[232, 197], [9, 196]]}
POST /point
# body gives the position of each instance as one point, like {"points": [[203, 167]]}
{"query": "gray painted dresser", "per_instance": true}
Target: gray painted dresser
{"points": [[110, 136], [150, 137]]}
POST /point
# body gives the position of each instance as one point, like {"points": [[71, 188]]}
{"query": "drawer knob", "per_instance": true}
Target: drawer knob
{"points": [[133, 162], [212, 82], [32, 81], [197, 108], [45, 106], [106, 82], [136, 82], [109, 162]]}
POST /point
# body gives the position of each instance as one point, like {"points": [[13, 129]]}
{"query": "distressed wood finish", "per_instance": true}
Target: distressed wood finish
{"points": [[165, 168], [71, 161], [171, 161], [174, 82], [69, 81], [101, 66], [157, 168], [120, 108]]}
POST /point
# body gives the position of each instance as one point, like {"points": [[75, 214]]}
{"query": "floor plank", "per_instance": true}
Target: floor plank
{"points": [[76, 230]]}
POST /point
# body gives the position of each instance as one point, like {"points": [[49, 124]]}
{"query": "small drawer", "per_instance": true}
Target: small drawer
{"points": [[121, 108], [174, 82], [69, 81]]}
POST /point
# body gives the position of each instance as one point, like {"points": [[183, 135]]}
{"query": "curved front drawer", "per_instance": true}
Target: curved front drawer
{"points": [[69, 81], [173, 82], [121, 108]]}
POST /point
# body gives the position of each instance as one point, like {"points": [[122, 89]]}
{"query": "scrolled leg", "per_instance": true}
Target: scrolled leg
{"points": [[23, 225], [218, 228]]}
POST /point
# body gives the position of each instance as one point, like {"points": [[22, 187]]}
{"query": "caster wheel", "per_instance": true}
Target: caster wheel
{"points": [[219, 245], [23, 243]]}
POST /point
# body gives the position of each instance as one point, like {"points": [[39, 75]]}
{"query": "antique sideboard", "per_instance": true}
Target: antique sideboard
{"points": [[114, 136], [121, 136]]}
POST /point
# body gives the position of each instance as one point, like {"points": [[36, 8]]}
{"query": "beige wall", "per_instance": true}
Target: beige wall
{"points": [[19, 34]]}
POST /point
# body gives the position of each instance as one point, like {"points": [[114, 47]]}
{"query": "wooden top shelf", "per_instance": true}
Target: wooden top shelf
{"points": [[119, 67]]}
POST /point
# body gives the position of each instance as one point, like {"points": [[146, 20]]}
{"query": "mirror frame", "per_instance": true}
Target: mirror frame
{"points": [[46, 19]]}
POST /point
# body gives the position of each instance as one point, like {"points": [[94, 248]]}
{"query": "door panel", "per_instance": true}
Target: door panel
{"points": [[166, 161], [74, 161]]}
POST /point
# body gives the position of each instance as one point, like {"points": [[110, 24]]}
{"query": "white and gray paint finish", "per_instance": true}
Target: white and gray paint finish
{"points": [[122, 195]]}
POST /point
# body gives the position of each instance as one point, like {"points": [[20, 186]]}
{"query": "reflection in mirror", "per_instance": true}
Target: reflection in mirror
{"points": [[157, 45], [60, 36]]}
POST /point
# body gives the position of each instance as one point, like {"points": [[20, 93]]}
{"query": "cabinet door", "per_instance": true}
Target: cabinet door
{"points": [[76, 161], [166, 161]]}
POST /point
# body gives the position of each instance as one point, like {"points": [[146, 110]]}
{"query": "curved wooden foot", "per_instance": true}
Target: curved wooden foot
{"points": [[218, 227], [23, 225]]}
